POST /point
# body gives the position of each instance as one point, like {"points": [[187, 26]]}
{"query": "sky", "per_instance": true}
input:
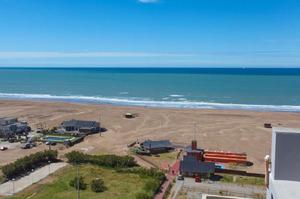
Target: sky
{"points": [[150, 33]]}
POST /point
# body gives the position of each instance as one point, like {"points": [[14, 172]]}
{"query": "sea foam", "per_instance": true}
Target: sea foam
{"points": [[151, 103]]}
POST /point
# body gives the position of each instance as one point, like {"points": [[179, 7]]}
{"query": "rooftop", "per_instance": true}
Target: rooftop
{"points": [[285, 130], [80, 123], [191, 164], [286, 189], [156, 144]]}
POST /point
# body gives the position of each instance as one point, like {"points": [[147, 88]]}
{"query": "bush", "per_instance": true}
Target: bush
{"points": [[97, 185], [111, 161], [74, 183], [23, 165], [142, 195], [152, 186]]}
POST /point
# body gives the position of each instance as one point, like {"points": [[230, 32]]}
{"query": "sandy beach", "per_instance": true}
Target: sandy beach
{"points": [[229, 130]]}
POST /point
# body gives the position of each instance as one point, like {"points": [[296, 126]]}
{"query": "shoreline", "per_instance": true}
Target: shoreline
{"points": [[228, 130], [135, 102]]}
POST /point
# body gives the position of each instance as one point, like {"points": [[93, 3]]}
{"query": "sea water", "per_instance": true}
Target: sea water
{"points": [[265, 89]]}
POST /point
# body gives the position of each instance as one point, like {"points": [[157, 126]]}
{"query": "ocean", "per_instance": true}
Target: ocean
{"points": [[261, 89]]}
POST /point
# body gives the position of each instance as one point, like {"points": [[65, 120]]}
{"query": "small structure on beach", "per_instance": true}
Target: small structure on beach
{"points": [[80, 126], [11, 127], [267, 125], [129, 115], [158, 146]]}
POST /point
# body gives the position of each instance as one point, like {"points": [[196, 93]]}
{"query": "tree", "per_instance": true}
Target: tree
{"points": [[74, 183], [97, 185]]}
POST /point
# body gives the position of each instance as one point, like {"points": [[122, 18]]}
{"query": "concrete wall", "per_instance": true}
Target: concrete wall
{"points": [[286, 154]]}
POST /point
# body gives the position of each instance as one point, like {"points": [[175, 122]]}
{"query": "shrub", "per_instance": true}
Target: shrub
{"points": [[112, 161], [97, 185], [74, 183], [152, 185], [27, 163], [142, 195]]}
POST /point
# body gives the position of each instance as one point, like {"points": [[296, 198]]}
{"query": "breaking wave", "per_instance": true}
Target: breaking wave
{"points": [[151, 103]]}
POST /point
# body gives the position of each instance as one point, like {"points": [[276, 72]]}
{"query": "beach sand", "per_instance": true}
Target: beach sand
{"points": [[228, 130]]}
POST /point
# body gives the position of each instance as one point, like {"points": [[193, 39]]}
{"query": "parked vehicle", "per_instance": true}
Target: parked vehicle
{"points": [[197, 179], [28, 145], [180, 177], [50, 143], [3, 148]]}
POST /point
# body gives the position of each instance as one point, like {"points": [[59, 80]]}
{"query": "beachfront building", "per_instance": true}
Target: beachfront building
{"points": [[283, 167], [193, 163], [10, 127], [158, 146], [80, 126]]}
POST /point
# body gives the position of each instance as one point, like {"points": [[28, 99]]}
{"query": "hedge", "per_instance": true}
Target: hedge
{"points": [[111, 161], [26, 164]]}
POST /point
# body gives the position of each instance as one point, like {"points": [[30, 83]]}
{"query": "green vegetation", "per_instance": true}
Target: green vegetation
{"points": [[162, 158], [2, 178], [119, 185], [152, 186], [27, 163], [242, 180], [143, 195], [97, 185], [78, 183], [168, 191], [110, 161]]}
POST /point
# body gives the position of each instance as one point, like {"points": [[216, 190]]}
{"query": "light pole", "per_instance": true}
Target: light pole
{"points": [[78, 190], [13, 186], [49, 166], [32, 170]]}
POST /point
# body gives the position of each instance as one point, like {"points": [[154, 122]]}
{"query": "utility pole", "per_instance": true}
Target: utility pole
{"points": [[78, 190], [195, 126], [100, 124]]}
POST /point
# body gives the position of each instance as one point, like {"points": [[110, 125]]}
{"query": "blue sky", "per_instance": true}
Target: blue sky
{"points": [[187, 33]]}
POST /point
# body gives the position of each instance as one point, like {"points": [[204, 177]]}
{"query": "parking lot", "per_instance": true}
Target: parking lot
{"points": [[194, 190], [14, 151]]}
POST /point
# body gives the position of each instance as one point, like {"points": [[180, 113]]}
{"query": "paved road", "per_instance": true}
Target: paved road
{"points": [[10, 187]]}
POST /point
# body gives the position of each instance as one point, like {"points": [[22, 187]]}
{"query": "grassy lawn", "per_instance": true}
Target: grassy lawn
{"points": [[119, 185], [163, 157], [242, 180], [1, 177]]}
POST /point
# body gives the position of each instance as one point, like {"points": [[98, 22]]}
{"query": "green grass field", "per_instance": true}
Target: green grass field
{"points": [[1, 177], [242, 180], [119, 185]]}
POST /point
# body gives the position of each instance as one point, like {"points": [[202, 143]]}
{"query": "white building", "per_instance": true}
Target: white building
{"points": [[283, 178]]}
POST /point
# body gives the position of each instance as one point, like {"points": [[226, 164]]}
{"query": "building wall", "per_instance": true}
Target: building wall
{"points": [[286, 156]]}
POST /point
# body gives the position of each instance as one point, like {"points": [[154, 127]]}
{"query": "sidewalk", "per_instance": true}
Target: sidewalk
{"points": [[10, 187], [173, 172]]}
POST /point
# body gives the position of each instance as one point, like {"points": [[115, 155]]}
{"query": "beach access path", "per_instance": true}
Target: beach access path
{"points": [[11, 187]]}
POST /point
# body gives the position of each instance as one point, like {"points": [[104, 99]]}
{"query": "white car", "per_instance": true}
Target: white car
{"points": [[3, 148]]}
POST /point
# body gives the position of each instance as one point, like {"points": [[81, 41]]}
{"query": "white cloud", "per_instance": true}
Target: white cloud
{"points": [[148, 1], [53, 54]]}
